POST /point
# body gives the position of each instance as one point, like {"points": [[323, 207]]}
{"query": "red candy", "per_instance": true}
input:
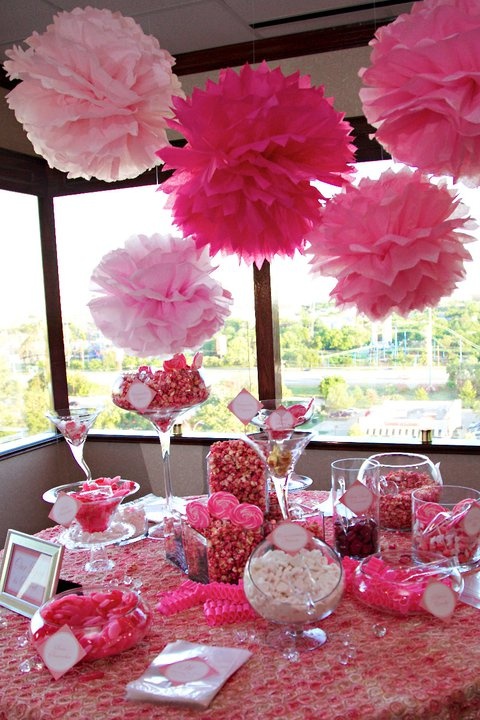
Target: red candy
{"points": [[220, 504], [105, 622]]}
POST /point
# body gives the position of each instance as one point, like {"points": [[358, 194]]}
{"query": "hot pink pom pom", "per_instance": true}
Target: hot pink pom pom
{"points": [[157, 296], [255, 141], [394, 244], [422, 91], [95, 94]]}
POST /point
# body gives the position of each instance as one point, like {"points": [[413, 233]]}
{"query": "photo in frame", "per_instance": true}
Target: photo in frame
{"points": [[29, 572]]}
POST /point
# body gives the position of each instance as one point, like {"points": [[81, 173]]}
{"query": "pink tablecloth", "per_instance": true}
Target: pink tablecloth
{"points": [[421, 668]]}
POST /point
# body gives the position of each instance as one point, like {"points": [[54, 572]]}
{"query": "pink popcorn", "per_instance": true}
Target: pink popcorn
{"points": [[235, 467], [396, 508], [176, 386]]}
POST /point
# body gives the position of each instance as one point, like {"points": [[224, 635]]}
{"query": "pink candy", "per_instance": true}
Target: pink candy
{"points": [[98, 501], [235, 467], [105, 622], [177, 385], [445, 532]]}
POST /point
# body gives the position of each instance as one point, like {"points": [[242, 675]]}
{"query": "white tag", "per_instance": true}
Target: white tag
{"points": [[358, 498], [244, 406], [290, 537], [139, 395], [439, 600], [61, 651], [64, 509]]}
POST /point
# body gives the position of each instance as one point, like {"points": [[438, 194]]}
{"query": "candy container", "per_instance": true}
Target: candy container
{"points": [[355, 507], [105, 621], [218, 537], [294, 580], [233, 466], [391, 581], [446, 520], [400, 475]]}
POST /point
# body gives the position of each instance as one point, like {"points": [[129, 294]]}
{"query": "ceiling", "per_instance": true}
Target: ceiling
{"points": [[189, 26]]}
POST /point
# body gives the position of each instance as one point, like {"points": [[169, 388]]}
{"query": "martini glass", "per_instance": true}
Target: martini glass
{"points": [[74, 424], [97, 523], [280, 456], [296, 481], [149, 395]]}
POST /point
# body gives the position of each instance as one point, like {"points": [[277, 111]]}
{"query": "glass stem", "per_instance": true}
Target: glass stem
{"points": [[281, 490], [167, 477], [77, 452]]}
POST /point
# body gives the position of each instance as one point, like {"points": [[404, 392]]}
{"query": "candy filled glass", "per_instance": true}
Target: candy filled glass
{"points": [[295, 589], [162, 397], [400, 475], [96, 524], [446, 520], [74, 424], [355, 507], [280, 456]]}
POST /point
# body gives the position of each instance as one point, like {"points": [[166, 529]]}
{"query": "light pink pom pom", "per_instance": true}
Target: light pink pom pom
{"points": [[422, 91], [157, 296], [255, 141], [95, 94], [394, 244]]}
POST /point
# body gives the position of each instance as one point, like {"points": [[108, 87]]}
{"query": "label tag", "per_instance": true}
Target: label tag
{"points": [[64, 509], [244, 406], [358, 498], [61, 651], [188, 671], [471, 521], [290, 537], [439, 600], [139, 395]]}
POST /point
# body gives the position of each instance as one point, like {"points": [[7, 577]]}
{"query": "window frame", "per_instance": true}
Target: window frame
{"points": [[31, 175]]}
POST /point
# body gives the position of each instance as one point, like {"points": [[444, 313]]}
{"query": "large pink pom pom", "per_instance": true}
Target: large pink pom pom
{"points": [[157, 296], [394, 244], [255, 141], [95, 94], [422, 89]]}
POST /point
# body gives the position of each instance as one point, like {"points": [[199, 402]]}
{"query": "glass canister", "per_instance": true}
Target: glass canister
{"points": [[105, 620], [400, 475], [355, 507]]}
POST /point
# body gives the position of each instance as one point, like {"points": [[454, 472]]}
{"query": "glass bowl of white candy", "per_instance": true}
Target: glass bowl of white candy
{"points": [[294, 580]]}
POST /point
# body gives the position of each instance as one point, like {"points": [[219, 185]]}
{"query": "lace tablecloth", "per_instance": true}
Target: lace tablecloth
{"points": [[373, 667]]}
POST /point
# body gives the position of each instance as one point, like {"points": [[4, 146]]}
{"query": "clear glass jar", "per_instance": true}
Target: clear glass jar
{"points": [[105, 620], [400, 474]]}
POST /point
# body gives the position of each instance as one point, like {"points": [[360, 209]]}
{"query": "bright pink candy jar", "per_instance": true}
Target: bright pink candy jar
{"points": [[105, 620]]}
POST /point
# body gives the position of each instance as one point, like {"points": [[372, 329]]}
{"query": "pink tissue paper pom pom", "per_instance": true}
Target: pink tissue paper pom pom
{"points": [[255, 140], [157, 296], [95, 94], [394, 244], [422, 89]]}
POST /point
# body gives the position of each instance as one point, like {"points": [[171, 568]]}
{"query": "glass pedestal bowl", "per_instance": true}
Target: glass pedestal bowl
{"points": [[97, 524], [105, 620], [295, 588]]}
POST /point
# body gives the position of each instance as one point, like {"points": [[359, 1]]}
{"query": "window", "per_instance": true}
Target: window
{"points": [[90, 225], [371, 381], [24, 364]]}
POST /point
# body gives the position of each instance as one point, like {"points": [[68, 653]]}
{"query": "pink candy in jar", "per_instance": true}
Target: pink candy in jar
{"points": [[446, 520], [400, 475], [105, 621], [98, 500], [176, 385]]}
